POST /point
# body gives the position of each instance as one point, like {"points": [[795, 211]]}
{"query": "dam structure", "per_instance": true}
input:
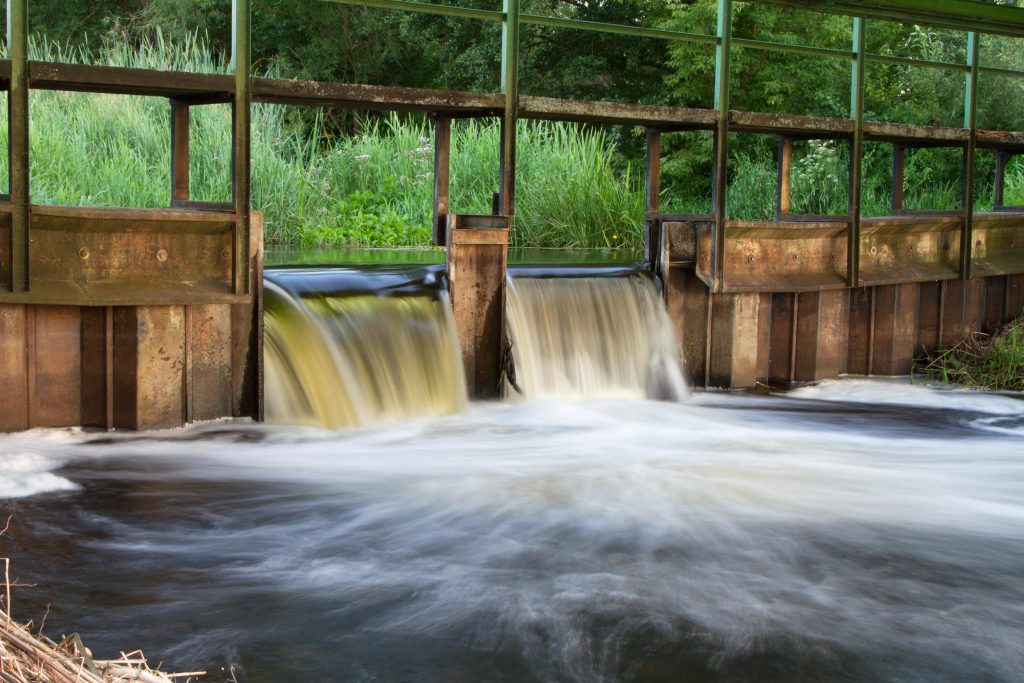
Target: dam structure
{"points": [[151, 318]]}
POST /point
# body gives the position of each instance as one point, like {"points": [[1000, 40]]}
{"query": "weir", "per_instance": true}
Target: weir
{"points": [[146, 318], [353, 348], [591, 337]]}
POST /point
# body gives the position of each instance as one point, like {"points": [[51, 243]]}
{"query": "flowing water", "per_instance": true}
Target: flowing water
{"points": [[379, 349], [854, 531], [592, 337]]}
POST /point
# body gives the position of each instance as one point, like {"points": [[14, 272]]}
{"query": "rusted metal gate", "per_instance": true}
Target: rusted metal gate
{"points": [[149, 317]]}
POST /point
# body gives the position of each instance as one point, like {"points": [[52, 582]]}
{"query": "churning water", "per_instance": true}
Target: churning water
{"points": [[855, 531]]}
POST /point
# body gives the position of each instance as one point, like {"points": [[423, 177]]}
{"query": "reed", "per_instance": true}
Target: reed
{"points": [[983, 361]]}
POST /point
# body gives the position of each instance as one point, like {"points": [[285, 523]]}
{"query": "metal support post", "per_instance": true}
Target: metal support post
{"points": [[510, 115], [18, 127], [722, 49], [856, 152], [442, 175], [241, 56], [970, 114]]}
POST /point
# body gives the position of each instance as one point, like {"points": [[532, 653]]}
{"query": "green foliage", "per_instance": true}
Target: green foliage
{"points": [[982, 361]]}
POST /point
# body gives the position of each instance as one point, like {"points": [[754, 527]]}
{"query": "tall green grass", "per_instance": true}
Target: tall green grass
{"points": [[374, 188]]}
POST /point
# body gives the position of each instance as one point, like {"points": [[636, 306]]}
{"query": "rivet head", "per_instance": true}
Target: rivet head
{"points": [[225, 255], [161, 255], [750, 259], [83, 253], [832, 257], [796, 256], [873, 250], [978, 243]]}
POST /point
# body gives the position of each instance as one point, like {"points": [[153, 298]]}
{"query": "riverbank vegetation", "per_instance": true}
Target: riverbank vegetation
{"points": [[983, 361], [334, 178]]}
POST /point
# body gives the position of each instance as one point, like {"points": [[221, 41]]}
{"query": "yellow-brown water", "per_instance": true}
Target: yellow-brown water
{"points": [[592, 337], [334, 361]]}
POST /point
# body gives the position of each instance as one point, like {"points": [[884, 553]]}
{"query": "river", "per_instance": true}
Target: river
{"points": [[859, 530]]}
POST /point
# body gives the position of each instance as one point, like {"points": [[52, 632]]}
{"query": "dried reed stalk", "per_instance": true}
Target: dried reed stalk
{"points": [[27, 657]]}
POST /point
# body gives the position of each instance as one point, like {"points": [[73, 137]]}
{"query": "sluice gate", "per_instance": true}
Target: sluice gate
{"points": [[144, 318]]}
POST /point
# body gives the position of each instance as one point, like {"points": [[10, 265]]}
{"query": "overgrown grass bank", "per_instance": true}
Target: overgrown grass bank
{"points": [[374, 188], [984, 361]]}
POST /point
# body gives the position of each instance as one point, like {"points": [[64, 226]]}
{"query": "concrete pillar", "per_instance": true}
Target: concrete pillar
{"points": [[477, 265]]}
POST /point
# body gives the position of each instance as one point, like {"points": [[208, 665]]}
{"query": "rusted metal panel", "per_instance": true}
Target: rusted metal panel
{"points": [[209, 362], [998, 244], [783, 190], [897, 310], [736, 337], [995, 302], [782, 337], [477, 266], [94, 376], [149, 367], [686, 297], [56, 371], [107, 256], [974, 305], [911, 248], [821, 335], [929, 326], [795, 256], [1014, 296], [13, 368], [180, 148], [247, 336], [860, 331], [442, 177], [5, 251]]}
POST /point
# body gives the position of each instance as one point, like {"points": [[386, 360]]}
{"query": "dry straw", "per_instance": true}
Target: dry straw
{"points": [[28, 656]]}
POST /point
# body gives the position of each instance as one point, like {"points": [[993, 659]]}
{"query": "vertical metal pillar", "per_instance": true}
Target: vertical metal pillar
{"points": [[180, 151], [442, 175], [18, 127], [241, 56], [510, 87], [722, 50], [652, 177], [856, 152], [970, 114], [783, 193]]}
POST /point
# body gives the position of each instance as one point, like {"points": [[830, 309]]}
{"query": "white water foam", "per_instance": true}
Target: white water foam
{"points": [[896, 392]]}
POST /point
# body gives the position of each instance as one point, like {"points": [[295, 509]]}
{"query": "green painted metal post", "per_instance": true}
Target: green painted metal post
{"points": [[17, 46], [241, 57], [970, 114], [856, 152], [510, 116], [721, 183]]}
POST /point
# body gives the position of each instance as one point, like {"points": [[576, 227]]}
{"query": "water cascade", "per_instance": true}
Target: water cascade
{"points": [[376, 354], [605, 337]]}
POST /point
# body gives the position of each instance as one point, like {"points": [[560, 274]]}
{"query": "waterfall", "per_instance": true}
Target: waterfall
{"points": [[336, 360], [592, 337]]}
